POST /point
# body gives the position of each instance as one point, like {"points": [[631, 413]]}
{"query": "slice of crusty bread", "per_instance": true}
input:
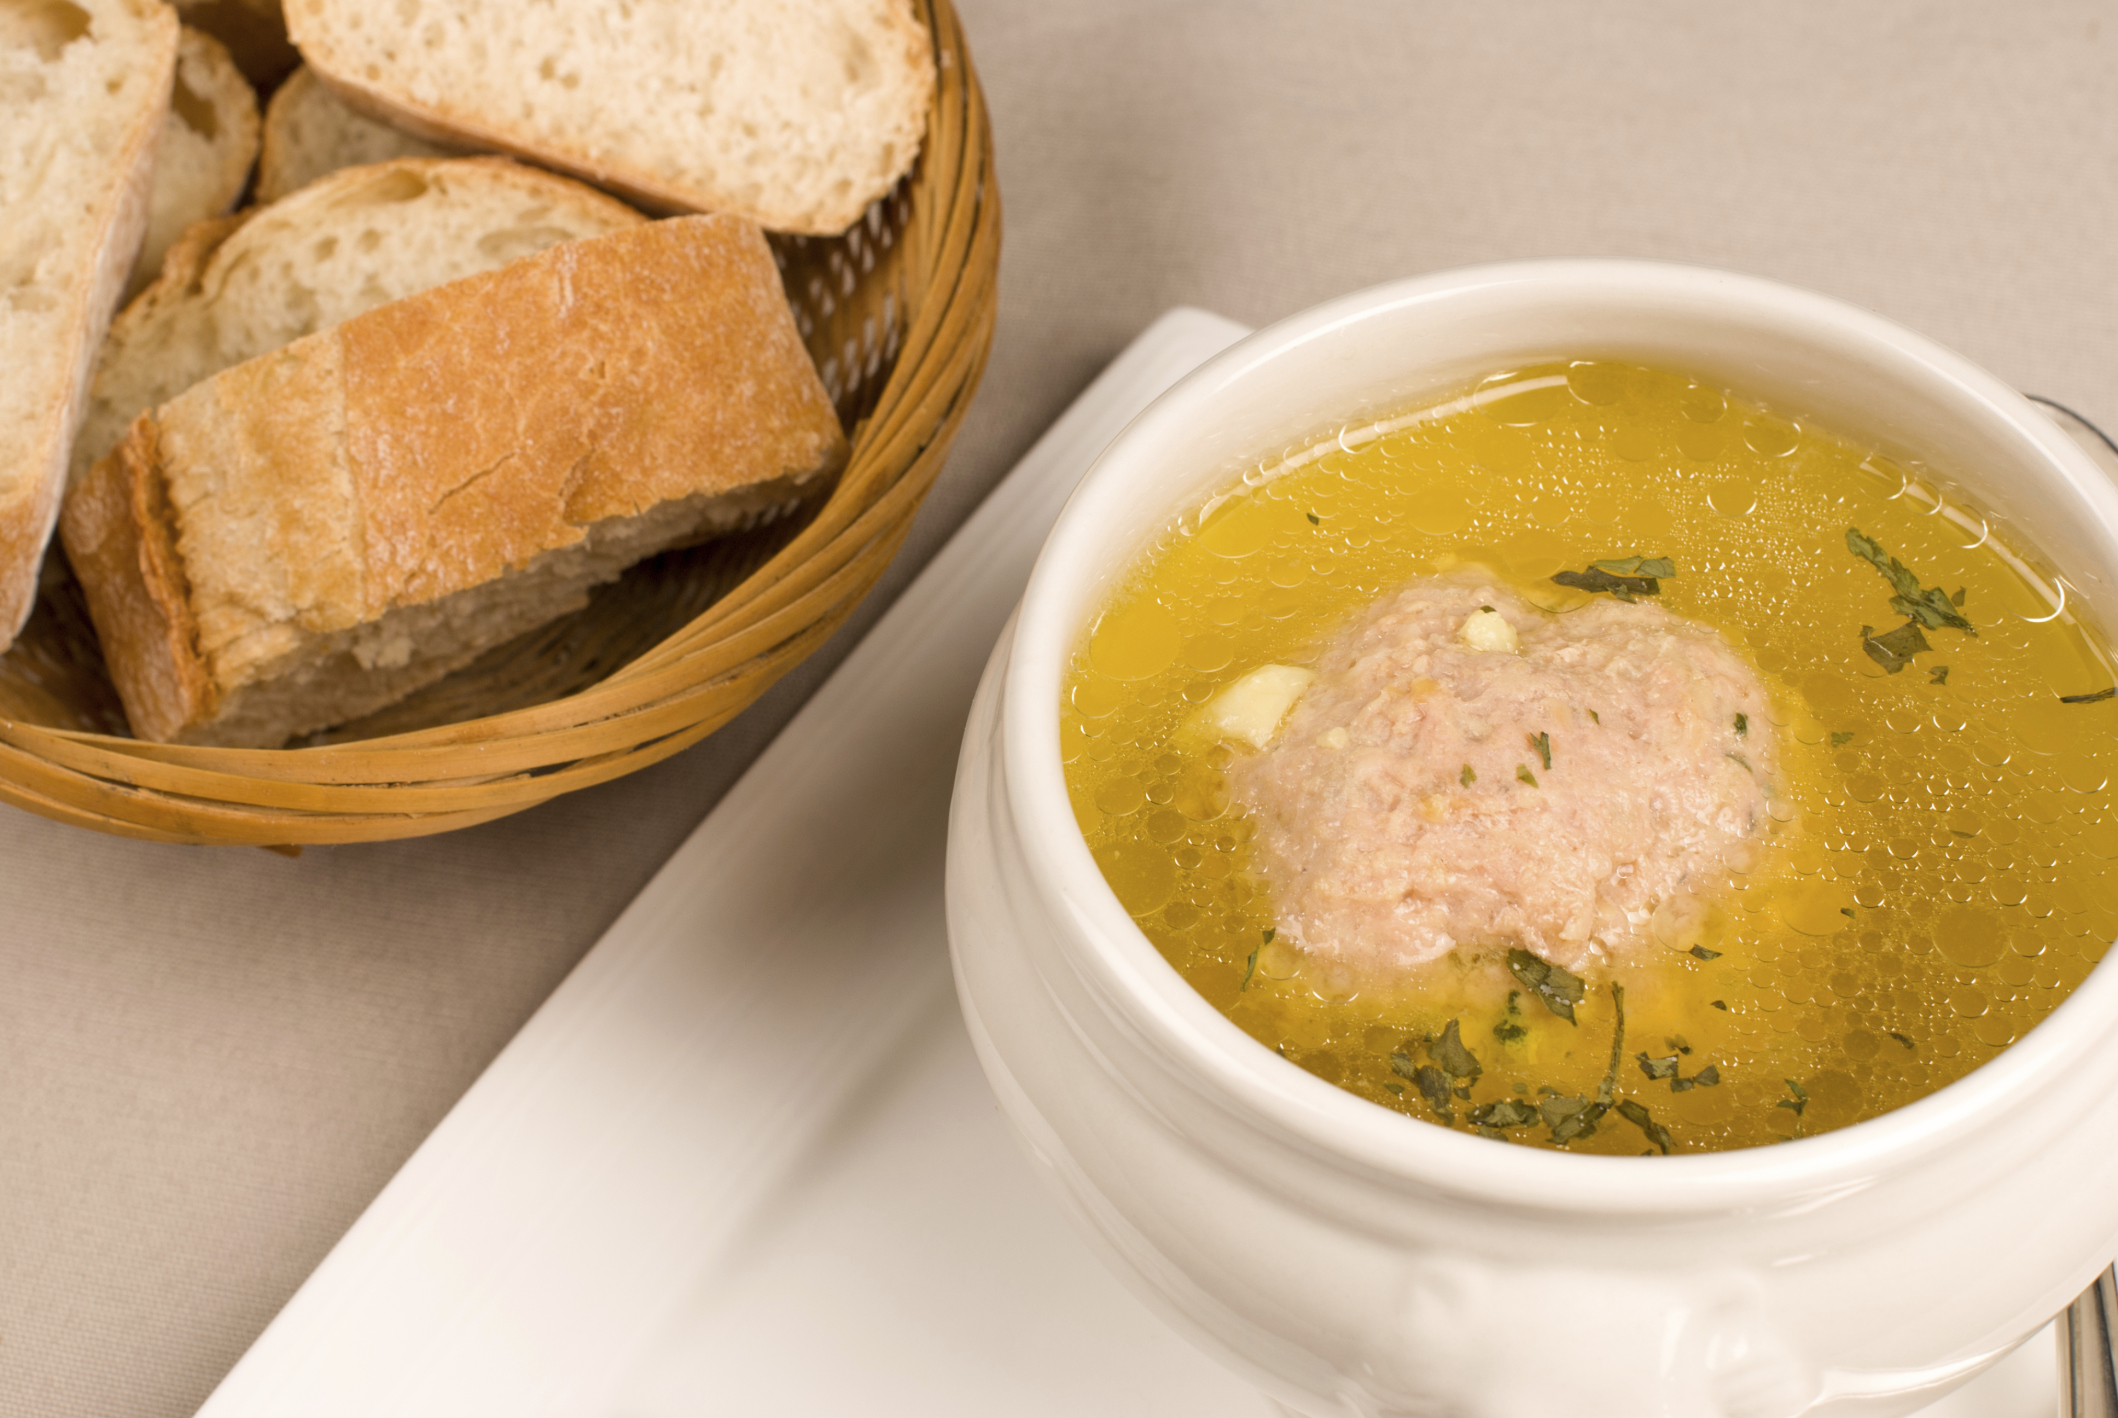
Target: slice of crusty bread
{"points": [[310, 133], [309, 536], [233, 290], [795, 113], [208, 142], [85, 87]]}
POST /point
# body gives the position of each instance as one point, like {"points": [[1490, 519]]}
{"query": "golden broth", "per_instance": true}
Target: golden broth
{"points": [[1937, 874]]}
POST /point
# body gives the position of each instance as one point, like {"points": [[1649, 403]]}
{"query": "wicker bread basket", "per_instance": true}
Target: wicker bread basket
{"points": [[898, 313]]}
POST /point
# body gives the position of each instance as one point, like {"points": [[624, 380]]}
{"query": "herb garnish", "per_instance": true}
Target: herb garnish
{"points": [[1610, 1074], [1649, 566], [1597, 717], [1507, 1113], [1720, 1004], [1797, 1103], [1840, 740], [1657, 1069], [1430, 1083], [1634, 576], [1542, 742], [1742, 726], [1456, 1061], [1704, 954], [2099, 695], [1507, 1031], [1669, 1067], [1448, 1078], [1895, 650], [1938, 675], [1569, 1118], [1640, 1118], [1707, 1077], [1524, 775], [1560, 989], [1903, 1040], [1253, 966], [1315, 521], [1928, 606], [1468, 776]]}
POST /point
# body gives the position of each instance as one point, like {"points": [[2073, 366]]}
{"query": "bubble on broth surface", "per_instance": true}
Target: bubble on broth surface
{"points": [[1938, 865]]}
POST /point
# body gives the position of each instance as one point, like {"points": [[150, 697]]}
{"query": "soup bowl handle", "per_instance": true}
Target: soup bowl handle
{"points": [[1472, 1338]]}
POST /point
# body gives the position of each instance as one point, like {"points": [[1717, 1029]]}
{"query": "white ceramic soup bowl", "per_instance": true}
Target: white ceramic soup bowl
{"points": [[1353, 1261]]}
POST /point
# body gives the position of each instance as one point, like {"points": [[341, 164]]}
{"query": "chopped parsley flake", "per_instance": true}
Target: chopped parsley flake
{"points": [[1895, 650], [1560, 989], [1660, 566], [1252, 968], [1640, 1118], [1507, 1031], [1657, 1069], [1454, 1059], [1928, 606], [1507, 1113], [1707, 1077], [1596, 579]]}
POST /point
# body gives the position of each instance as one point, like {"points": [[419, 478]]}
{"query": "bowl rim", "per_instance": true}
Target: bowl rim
{"points": [[1188, 1032]]}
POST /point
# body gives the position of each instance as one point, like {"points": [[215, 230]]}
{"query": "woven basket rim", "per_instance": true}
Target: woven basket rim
{"points": [[455, 775]]}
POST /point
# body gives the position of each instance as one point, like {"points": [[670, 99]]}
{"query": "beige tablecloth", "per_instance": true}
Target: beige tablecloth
{"points": [[211, 1060]]}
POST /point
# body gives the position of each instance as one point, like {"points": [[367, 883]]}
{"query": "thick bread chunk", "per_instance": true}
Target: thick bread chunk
{"points": [[233, 290], [209, 141], [312, 535], [795, 113], [310, 133], [83, 90]]}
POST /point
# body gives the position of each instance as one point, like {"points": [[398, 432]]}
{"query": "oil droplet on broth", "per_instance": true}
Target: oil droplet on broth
{"points": [[1934, 875]]}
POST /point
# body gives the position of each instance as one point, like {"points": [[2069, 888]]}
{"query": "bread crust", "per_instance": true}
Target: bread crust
{"points": [[152, 351], [434, 446], [29, 508], [654, 191], [120, 538]]}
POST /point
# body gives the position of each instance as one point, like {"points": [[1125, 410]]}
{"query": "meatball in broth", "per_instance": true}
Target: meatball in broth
{"points": [[1468, 770]]}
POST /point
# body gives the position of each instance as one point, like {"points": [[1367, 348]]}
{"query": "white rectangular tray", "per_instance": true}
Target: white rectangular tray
{"points": [[743, 1161]]}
